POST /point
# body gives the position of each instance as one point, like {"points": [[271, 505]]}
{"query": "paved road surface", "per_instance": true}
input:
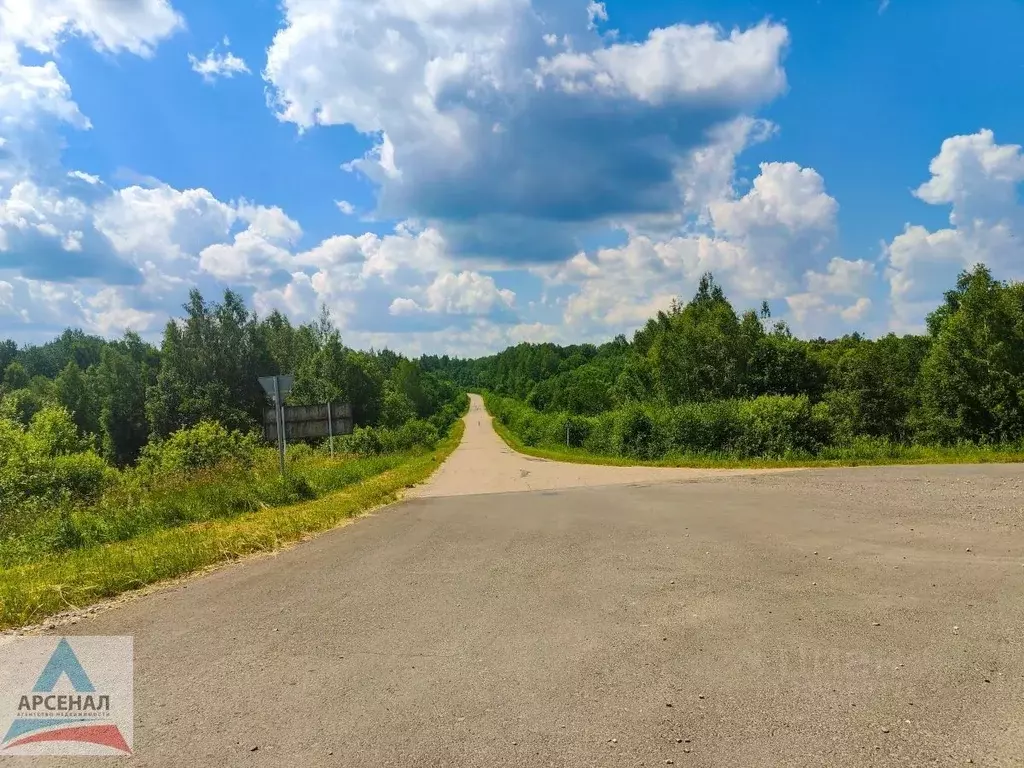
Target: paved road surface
{"points": [[864, 617]]}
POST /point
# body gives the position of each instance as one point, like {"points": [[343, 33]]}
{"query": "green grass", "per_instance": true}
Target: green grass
{"points": [[133, 504], [867, 453], [31, 592]]}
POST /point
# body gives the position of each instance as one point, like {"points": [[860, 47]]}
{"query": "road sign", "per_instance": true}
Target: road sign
{"points": [[274, 384], [309, 421]]}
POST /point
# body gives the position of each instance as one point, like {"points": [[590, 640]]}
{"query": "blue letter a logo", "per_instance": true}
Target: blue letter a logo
{"points": [[63, 662]]}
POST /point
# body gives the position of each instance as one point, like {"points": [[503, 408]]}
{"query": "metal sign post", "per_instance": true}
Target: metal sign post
{"points": [[278, 388], [330, 428], [280, 424]]}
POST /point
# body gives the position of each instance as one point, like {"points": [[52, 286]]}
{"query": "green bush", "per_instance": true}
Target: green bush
{"points": [[417, 434], [80, 476], [375, 441], [450, 413], [53, 432], [45, 463], [599, 439], [206, 445], [704, 427], [636, 434], [57, 494], [769, 426], [299, 451], [776, 426], [368, 441]]}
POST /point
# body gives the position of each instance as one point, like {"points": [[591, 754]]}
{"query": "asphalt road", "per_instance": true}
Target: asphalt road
{"points": [[863, 617]]}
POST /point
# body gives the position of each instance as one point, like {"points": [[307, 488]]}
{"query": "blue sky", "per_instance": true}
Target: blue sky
{"points": [[461, 175]]}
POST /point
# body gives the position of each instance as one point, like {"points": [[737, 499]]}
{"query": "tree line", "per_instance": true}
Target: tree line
{"points": [[124, 394], [961, 381]]}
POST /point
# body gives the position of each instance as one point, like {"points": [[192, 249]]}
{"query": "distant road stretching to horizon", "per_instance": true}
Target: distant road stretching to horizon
{"points": [[521, 612]]}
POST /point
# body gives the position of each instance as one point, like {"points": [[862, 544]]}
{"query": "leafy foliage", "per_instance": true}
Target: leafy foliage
{"points": [[700, 378], [104, 440]]}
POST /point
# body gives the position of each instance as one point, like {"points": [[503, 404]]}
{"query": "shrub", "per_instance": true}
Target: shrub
{"points": [[774, 426], [704, 427], [200, 447], [45, 464], [368, 441], [636, 434], [768, 426], [80, 476], [299, 451], [53, 432], [579, 428], [600, 439], [417, 434]]}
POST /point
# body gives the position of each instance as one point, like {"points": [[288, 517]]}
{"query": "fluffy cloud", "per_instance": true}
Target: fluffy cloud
{"points": [[810, 311], [465, 293], [412, 269], [163, 225], [784, 196], [257, 254], [47, 234], [679, 64], [759, 244], [218, 64], [6, 297], [485, 134], [979, 180], [28, 93], [135, 26], [842, 277]]}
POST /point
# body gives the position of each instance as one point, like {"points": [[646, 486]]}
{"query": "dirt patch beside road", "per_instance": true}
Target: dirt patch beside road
{"points": [[483, 463]]}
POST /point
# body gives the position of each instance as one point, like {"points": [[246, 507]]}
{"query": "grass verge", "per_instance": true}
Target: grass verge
{"points": [[892, 455], [30, 593]]}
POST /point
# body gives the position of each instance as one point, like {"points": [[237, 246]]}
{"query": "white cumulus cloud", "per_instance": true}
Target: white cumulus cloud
{"points": [[979, 180], [486, 134], [134, 26]]}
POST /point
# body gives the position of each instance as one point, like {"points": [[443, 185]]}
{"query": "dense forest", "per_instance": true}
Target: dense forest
{"points": [[701, 378], [102, 440]]}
